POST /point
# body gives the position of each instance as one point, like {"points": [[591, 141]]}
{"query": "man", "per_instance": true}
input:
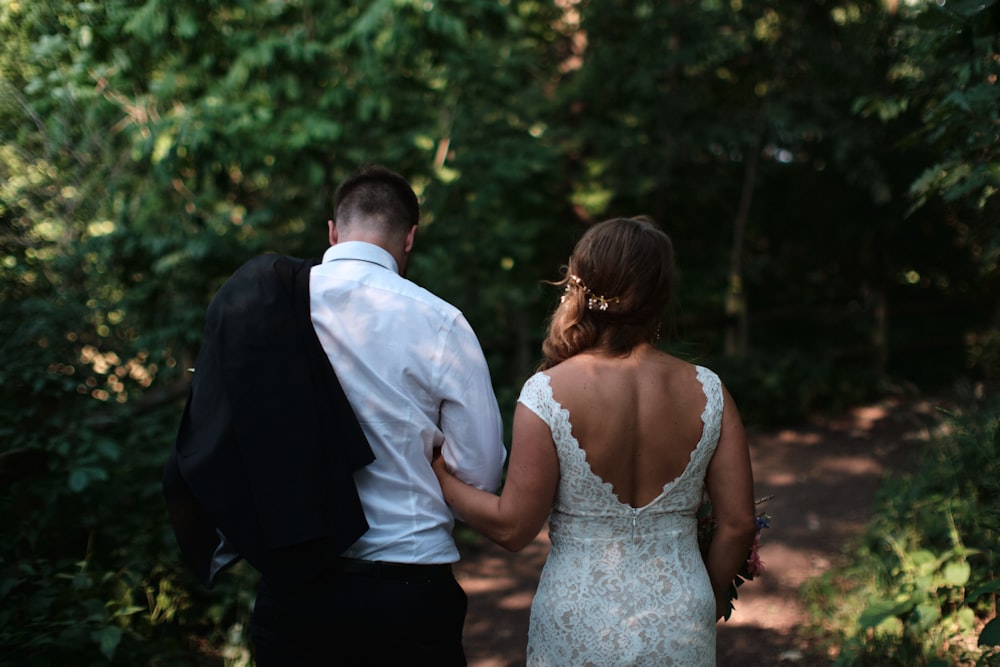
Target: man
{"points": [[415, 376]]}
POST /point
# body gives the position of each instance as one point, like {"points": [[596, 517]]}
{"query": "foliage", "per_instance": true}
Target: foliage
{"points": [[92, 575], [948, 72], [944, 74], [923, 584], [774, 388], [148, 148]]}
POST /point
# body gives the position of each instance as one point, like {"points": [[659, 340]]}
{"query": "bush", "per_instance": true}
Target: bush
{"points": [[922, 585], [90, 573], [786, 386]]}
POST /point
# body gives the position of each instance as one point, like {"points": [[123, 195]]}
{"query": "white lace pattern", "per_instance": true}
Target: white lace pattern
{"points": [[622, 585]]}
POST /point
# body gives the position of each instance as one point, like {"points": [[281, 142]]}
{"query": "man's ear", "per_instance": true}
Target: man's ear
{"points": [[409, 238], [332, 232]]}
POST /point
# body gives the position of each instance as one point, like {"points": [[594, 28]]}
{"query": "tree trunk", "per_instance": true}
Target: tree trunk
{"points": [[736, 304]]}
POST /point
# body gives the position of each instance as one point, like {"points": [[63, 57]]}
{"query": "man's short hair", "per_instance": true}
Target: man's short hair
{"points": [[379, 197]]}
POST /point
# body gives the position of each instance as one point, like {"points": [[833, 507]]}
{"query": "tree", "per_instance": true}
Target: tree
{"points": [[942, 88], [146, 151]]}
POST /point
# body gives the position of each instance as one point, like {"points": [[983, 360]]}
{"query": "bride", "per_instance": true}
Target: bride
{"points": [[614, 442]]}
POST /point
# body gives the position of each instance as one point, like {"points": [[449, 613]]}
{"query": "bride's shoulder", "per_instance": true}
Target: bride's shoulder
{"points": [[567, 367], [665, 362]]}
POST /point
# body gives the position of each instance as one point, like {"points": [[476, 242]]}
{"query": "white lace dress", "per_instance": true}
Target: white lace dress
{"points": [[622, 585]]}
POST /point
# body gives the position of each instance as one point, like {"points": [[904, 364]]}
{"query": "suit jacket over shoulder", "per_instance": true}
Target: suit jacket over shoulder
{"points": [[268, 442]]}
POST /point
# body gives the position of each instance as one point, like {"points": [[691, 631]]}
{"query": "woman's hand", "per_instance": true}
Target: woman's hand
{"points": [[514, 518], [438, 465]]}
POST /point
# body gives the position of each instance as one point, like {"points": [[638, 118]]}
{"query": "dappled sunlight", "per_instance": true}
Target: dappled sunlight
{"points": [[789, 435], [500, 586], [850, 465], [784, 479], [107, 377], [517, 601], [489, 662], [480, 585]]}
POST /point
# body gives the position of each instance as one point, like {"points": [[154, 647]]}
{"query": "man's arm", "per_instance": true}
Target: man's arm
{"points": [[470, 418], [513, 518]]}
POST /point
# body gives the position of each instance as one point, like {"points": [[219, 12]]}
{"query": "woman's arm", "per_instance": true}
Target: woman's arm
{"points": [[730, 487], [513, 518]]}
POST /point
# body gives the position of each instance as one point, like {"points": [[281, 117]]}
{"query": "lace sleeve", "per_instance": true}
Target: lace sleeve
{"points": [[535, 395]]}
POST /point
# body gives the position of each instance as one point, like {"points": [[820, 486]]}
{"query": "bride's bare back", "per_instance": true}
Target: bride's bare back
{"points": [[637, 418]]}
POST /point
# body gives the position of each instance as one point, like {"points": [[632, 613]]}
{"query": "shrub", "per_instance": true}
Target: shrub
{"points": [[922, 585]]}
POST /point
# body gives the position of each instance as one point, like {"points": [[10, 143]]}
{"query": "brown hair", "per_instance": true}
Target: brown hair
{"points": [[379, 198], [619, 283]]}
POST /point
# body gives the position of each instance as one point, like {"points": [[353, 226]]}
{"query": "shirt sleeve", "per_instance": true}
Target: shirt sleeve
{"points": [[470, 418]]}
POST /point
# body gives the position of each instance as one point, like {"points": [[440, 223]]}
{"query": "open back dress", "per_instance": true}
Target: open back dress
{"points": [[622, 585]]}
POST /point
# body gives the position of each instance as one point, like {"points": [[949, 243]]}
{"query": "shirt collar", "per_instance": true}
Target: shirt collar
{"points": [[362, 251]]}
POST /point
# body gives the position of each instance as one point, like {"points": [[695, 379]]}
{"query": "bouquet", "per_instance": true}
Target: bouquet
{"points": [[754, 566]]}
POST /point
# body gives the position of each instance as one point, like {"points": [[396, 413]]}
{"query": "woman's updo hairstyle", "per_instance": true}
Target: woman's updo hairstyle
{"points": [[619, 283]]}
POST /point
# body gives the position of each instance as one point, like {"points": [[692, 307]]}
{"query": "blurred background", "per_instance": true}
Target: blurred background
{"points": [[827, 169]]}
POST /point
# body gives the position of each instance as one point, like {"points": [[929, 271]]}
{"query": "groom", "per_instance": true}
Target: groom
{"points": [[364, 575]]}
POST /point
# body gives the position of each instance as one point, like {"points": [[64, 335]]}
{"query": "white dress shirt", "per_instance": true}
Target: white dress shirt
{"points": [[415, 374]]}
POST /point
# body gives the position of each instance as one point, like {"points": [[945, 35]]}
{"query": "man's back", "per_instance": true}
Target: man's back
{"points": [[416, 378], [414, 373]]}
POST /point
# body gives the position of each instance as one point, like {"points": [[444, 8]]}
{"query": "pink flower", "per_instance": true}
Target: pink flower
{"points": [[755, 566]]}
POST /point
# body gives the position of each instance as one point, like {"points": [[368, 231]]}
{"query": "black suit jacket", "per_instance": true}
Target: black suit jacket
{"points": [[268, 442]]}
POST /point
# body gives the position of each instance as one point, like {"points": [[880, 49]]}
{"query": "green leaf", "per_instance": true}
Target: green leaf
{"points": [[965, 618], [81, 478], [985, 589], [958, 99], [957, 574], [82, 581], [923, 558], [990, 636], [109, 449], [883, 609], [926, 615], [147, 23], [128, 611], [108, 639]]}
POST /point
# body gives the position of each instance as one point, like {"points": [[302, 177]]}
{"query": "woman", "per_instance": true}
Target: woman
{"points": [[618, 441]]}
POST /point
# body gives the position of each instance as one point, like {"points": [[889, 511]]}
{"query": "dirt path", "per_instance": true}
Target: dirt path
{"points": [[824, 477]]}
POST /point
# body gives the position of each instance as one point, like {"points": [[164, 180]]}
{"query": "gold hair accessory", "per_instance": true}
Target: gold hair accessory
{"points": [[594, 301]]}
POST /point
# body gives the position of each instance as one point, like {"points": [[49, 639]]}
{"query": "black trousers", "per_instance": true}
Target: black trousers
{"points": [[367, 616]]}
